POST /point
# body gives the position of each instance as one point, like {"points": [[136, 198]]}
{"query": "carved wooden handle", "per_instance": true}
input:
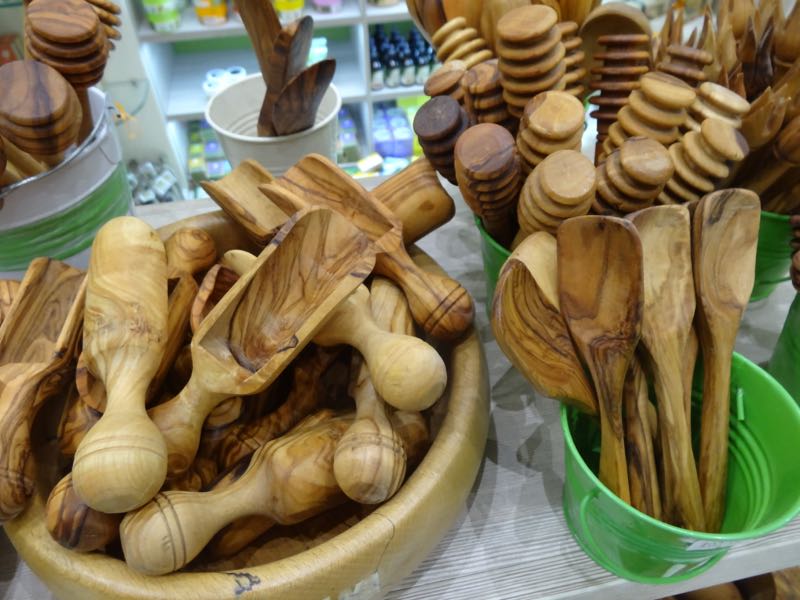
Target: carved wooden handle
{"points": [[189, 251]]}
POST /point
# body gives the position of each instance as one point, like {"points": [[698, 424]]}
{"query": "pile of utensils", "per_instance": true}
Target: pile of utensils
{"points": [[45, 112], [294, 92], [608, 308], [281, 374]]}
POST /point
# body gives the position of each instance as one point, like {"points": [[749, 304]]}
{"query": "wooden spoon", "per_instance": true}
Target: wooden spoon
{"points": [[296, 107], [669, 306], [527, 323], [122, 461], [263, 26], [264, 321], [601, 292], [37, 341], [287, 481], [439, 304], [724, 233]]}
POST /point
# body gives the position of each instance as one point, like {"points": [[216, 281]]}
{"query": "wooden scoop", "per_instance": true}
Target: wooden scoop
{"points": [[217, 282], [669, 305], [264, 321], [287, 481], [296, 107], [529, 328], [439, 304], [37, 341], [601, 292], [122, 461], [8, 291], [724, 233]]}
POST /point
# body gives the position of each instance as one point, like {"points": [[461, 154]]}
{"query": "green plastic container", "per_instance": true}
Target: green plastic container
{"points": [[494, 255], [763, 487], [773, 256], [785, 362]]}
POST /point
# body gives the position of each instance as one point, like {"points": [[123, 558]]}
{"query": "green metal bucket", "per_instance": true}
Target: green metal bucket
{"points": [[785, 362], [763, 490], [773, 256]]}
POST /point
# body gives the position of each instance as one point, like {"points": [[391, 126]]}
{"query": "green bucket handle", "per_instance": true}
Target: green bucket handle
{"points": [[620, 571]]}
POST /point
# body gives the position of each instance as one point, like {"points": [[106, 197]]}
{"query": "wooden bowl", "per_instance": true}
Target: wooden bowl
{"points": [[368, 558]]}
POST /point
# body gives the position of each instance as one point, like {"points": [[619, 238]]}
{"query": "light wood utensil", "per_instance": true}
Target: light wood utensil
{"points": [[724, 233], [121, 462], [786, 155], [264, 321], [765, 118], [8, 172], [216, 283], [8, 291], [669, 307], [37, 341], [76, 419], [601, 293], [287, 481], [296, 107], [439, 304], [529, 328]]}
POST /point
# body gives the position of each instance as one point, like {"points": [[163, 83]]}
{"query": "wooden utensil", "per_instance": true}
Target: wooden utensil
{"points": [[455, 41], [287, 58], [439, 304], [8, 173], [8, 291], [724, 232], [527, 323], [296, 107], [786, 155], [601, 293], [261, 324], [37, 341], [122, 461], [263, 27], [438, 125], [287, 480], [669, 306], [77, 418], [20, 164], [217, 282]]}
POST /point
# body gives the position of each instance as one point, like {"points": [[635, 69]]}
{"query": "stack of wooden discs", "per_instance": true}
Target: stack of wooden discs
{"points": [[446, 81], [686, 63], [656, 110], [552, 121], [438, 124], [483, 96], [625, 59], [531, 54], [39, 111], [562, 186], [108, 13], [66, 35], [632, 177], [573, 60], [489, 177], [701, 159], [716, 102], [455, 41]]}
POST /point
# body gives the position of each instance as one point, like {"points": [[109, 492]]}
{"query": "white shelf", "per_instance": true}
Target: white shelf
{"points": [[192, 29], [403, 91], [185, 100], [387, 14]]}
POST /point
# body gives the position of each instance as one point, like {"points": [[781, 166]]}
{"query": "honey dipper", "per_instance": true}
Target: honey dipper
{"points": [[455, 41], [108, 13], [56, 28], [549, 197], [483, 96], [488, 175], [438, 125], [446, 81], [686, 63], [551, 121], [656, 110], [701, 160], [573, 61], [717, 102], [625, 59], [531, 54], [632, 177]]}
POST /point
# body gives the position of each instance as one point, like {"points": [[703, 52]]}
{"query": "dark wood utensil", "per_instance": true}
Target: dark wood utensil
{"points": [[296, 107]]}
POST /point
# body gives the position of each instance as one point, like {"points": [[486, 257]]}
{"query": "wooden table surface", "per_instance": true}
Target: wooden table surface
{"points": [[511, 540]]}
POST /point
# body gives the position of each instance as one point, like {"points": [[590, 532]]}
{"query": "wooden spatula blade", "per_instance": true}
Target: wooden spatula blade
{"points": [[296, 108]]}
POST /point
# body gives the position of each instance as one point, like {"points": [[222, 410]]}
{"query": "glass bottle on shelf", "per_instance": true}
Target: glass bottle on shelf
{"points": [[392, 70]]}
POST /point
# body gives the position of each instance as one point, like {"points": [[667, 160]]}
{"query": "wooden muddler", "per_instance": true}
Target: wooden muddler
{"points": [[122, 461]]}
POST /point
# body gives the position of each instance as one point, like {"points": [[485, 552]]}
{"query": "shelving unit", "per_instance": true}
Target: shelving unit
{"points": [[176, 63]]}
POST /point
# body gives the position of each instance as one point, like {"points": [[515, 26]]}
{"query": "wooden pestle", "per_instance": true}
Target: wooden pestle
{"points": [[724, 232], [370, 461], [287, 481], [37, 342], [261, 324], [122, 461]]}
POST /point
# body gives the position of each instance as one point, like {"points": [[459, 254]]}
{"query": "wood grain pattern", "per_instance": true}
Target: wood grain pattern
{"points": [[529, 328], [669, 307], [724, 229], [601, 294], [8, 291], [189, 252], [296, 107], [76, 419], [264, 321], [121, 462], [262, 25], [37, 342]]}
